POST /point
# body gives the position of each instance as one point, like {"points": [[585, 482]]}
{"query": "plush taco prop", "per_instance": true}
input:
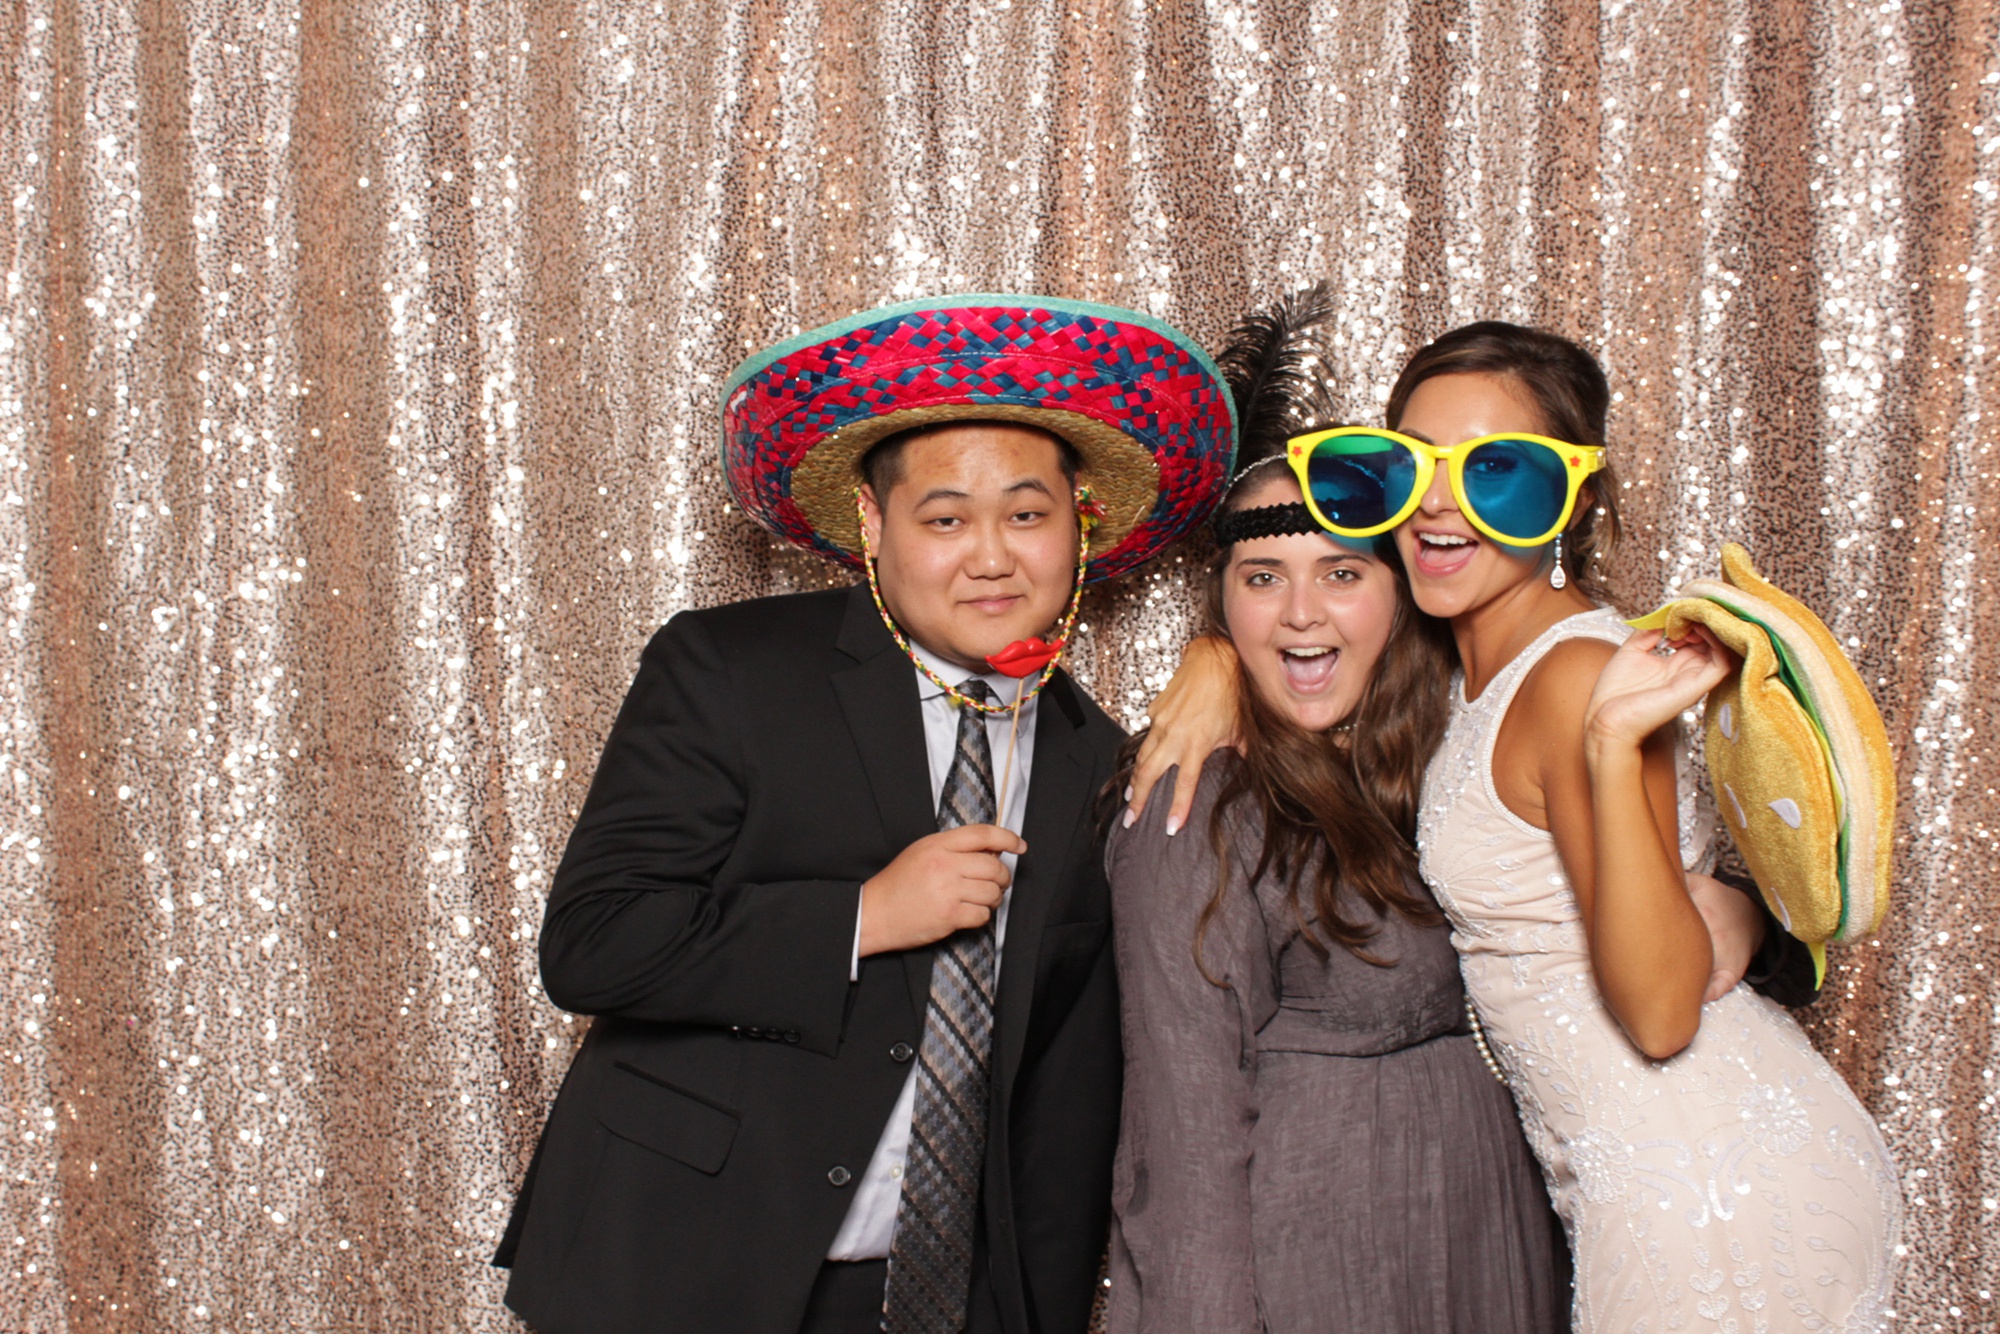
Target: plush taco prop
{"points": [[1797, 755]]}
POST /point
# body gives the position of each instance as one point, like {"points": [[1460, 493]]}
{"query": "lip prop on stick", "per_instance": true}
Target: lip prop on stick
{"points": [[1021, 659]]}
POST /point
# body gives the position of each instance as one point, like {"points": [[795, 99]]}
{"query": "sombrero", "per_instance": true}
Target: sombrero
{"points": [[1797, 754], [1143, 405]]}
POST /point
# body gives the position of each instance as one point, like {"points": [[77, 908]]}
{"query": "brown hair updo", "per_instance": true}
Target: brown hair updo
{"points": [[1569, 391]]}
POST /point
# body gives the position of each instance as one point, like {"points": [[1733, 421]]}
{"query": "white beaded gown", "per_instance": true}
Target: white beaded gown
{"points": [[1737, 1188]]}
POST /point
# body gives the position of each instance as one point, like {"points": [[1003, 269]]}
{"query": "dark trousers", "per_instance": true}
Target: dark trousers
{"points": [[847, 1298]]}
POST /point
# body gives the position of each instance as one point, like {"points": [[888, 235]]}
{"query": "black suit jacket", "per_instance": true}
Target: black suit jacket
{"points": [[700, 1156]]}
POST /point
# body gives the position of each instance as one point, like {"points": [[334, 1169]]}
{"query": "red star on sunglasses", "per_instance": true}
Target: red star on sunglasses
{"points": [[1575, 462]]}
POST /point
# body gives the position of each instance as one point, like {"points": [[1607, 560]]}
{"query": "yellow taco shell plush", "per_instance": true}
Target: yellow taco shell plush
{"points": [[1797, 755], [1770, 774], [1861, 753]]}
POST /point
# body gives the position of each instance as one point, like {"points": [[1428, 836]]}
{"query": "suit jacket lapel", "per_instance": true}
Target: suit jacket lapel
{"points": [[878, 695], [1059, 797]]}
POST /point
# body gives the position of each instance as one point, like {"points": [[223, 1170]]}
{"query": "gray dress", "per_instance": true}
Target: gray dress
{"points": [[1318, 1146]]}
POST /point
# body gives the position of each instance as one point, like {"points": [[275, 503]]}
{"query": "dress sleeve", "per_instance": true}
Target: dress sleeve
{"points": [[1181, 1199]]}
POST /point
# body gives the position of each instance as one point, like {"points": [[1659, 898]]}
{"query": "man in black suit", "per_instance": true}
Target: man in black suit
{"points": [[855, 1064]]}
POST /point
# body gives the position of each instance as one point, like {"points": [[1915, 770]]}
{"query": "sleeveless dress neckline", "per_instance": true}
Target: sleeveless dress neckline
{"points": [[1513, 674], [1533, 651]]}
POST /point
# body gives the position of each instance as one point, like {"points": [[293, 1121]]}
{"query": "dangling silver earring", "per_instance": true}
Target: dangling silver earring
{"points": [[1557, 578]]}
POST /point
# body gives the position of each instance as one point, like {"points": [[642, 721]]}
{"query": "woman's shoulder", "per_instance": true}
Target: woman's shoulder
{"points": [[1559, 678], [1169, 889], [1569, 667], [1152, 823], [1147, 839]]}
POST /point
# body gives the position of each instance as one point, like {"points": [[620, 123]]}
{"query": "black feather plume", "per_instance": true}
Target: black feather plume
{"points": [[1275, 365]]}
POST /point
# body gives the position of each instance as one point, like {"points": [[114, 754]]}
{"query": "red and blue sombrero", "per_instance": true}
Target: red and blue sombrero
{"points": [[1142, 404]]}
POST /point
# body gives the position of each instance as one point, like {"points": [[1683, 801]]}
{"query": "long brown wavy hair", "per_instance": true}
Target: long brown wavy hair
{"points": [[1338, 809]]}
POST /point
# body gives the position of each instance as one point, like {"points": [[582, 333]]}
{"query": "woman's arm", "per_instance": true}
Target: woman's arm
{"points": [[1601, 773], [1739, 931], [1193, 718], [1182, 1189]]}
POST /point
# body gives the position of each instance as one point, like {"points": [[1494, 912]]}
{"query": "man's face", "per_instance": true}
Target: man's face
{"points": [[976, 545]]}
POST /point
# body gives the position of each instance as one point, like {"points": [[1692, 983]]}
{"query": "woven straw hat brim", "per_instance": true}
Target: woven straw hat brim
{"points": [[1145, 408]]}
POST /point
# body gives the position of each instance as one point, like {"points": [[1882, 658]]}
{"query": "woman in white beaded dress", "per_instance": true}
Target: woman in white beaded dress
{"points": [[1713, 1172]]}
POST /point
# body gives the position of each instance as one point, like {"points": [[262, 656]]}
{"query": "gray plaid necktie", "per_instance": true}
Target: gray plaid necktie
{"points": [[930, 1261]]}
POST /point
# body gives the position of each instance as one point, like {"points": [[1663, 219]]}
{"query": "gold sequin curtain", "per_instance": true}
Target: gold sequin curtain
{"points": [[358, 366]]}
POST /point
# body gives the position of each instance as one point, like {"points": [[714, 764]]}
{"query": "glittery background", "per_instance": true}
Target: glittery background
{"points": [[357, 377]]}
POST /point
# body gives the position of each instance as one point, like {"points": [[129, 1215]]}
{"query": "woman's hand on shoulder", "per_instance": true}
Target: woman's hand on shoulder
{"points": [[1193, 718], [1648, 683]]}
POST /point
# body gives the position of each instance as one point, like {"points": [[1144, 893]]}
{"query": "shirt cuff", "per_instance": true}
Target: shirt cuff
{"points": [[854, 960]]}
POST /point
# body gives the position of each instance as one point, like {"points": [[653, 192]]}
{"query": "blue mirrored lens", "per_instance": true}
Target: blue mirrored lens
{"points": [[1359, 481], [1516, 487]]}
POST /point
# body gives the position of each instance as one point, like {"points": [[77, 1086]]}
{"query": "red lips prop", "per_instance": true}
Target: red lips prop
{"points": [[1025, 657]]}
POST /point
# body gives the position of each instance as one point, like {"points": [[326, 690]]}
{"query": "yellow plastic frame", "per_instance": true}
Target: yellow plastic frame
{"points": [[1579, 462]]}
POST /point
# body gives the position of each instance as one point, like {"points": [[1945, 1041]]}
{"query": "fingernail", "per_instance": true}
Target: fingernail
{"points": [[1173, 825], [1128, 792], [1129, 816]]}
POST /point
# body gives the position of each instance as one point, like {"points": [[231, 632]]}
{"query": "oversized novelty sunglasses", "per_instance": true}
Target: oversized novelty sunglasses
{"points": [[1515, 488]]}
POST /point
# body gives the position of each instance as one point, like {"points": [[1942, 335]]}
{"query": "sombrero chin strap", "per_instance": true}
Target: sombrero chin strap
{"points": [[1088, 512]]}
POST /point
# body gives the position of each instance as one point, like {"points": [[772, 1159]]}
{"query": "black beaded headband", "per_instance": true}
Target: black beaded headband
{"points": [[1264, 521]]}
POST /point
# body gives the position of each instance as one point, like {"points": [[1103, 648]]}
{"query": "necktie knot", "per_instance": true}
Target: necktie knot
{"points": [[968, 786], [976, 690]]}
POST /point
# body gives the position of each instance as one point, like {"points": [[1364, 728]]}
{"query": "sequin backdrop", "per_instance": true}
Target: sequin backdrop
{"points": [[357, 386]]}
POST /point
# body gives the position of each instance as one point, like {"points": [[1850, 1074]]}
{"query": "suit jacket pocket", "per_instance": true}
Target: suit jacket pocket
{"points": [[667, 1119]]}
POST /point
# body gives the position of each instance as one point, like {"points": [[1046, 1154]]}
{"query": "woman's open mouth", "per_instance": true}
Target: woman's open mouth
{"points": [[1441, 554], [1309, 669]]}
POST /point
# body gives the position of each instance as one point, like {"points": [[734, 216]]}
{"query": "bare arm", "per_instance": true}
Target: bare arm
{"points": [[1193, 718], [1736, 931], [1628, 745], [1608, 798]]}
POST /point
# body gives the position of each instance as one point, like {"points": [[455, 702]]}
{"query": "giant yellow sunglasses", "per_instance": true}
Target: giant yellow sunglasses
{"points": [[1515, 488]]}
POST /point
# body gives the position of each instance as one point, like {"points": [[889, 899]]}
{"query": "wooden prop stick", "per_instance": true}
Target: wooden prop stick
{"points": [[1007, 770]]}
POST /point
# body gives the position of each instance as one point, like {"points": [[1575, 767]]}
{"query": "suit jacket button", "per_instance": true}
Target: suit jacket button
{"points": [[901, 1052], [839, 1176], [792, 1038]]}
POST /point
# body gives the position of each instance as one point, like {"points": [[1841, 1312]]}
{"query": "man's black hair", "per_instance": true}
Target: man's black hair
{"points": [[882, 466]]}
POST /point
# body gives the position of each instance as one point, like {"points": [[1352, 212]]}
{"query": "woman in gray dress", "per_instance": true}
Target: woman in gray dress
{"points": [[1311, 1139]]}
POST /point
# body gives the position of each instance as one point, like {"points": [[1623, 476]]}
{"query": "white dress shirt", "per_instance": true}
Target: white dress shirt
{"points": [[871, 1219]]}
